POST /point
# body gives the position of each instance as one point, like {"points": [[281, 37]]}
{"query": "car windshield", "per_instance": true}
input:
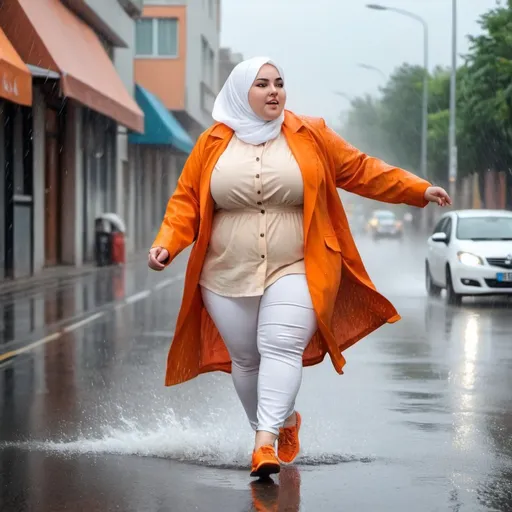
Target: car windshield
{"points": [[485, 228], [384, 215]]}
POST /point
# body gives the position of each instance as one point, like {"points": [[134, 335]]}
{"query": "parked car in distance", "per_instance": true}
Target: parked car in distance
{"points": [[384, 223], [470, 253]]}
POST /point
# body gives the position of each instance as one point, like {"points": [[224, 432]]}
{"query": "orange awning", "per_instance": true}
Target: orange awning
{"points": [[47, 34], [15, 78]]}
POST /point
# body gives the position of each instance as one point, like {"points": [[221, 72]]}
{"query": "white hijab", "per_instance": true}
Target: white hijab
{"points": [[232, 104]]}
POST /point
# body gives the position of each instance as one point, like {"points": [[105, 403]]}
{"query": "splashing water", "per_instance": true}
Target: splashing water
{"points": [[213, 443]]}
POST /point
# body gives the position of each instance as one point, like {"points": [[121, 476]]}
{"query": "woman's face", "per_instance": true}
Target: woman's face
{"points": [[267, 96]]}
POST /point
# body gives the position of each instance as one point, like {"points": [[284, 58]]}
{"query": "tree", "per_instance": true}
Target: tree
{"points": [[401, 115], [390, 127], [486, 95], [363, 128]]}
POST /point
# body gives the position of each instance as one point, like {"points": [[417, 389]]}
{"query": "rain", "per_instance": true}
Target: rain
{"points": [[104, 109]]}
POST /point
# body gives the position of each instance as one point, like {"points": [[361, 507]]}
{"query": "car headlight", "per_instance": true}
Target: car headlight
{"points": [[471, 260]]}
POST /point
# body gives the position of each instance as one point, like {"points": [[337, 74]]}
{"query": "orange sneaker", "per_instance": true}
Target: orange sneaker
{"points": [[288, 444], [264, 462]]}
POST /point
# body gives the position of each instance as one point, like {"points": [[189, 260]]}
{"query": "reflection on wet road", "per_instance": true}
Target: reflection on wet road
{"points": [[421, 420]]}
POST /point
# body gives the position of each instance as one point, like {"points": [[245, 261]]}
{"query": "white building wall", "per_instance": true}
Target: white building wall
{"points": [[124, 63], [113, 14], [118, 20], [200, 24]]}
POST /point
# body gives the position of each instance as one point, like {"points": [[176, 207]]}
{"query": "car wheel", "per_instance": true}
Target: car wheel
{"points": [[453, 298], [432, 289]]}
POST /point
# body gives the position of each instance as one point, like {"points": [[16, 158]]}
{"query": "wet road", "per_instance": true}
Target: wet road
{"points": [[421, 420]]}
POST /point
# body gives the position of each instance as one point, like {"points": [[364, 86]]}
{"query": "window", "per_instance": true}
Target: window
{"points": [[440, 226], [447, 228], [156, 37], [485, 228], [144, 37], [207, 60]]}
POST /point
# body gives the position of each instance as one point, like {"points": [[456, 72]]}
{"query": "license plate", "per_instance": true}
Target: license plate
{"points": [[504, 277]]}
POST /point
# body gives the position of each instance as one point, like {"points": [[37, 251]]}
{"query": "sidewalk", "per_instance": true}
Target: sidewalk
{"points": [[60, 274]]}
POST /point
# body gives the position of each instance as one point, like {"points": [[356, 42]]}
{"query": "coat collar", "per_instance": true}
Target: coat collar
{"points": [[291, 121]]}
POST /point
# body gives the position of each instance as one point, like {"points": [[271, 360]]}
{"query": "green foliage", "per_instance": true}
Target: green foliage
{"points": [[390, 126]]}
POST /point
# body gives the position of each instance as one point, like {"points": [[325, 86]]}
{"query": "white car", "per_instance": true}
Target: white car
{"points": [[470, 253]]}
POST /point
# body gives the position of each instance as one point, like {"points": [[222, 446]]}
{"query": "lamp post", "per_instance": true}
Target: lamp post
{"points": [[452, 135], [424, 119], [343, 95], [373, 68], [348, 98]]}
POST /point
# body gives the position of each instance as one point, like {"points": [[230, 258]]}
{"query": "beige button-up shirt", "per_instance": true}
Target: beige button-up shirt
{"points": [[257, 233]]}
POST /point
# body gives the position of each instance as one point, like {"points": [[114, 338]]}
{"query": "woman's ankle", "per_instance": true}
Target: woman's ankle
{"points": [[291, 421], [264, 438]]}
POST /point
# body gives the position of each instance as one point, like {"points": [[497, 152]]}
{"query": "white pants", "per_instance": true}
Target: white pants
{"points": [[266, 337]]}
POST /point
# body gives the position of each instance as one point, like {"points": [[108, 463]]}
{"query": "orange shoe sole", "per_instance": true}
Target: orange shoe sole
{"points": [[265, 469]]}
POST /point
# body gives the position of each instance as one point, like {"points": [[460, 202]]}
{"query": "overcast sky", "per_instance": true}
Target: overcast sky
{"points": [[320, 42]]}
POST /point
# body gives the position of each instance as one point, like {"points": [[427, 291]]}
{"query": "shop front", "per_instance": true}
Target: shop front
{"points": [[16, 183], [83, 105]]}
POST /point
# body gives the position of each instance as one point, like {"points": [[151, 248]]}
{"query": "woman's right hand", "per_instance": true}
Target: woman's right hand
{"points": [[157, 257]]}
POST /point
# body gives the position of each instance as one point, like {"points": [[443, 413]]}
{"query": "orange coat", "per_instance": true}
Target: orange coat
{"points": [[346, 303]]}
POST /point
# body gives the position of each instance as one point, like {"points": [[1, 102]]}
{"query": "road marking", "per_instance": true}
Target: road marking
{"points": [[85, 321], [70, 328], [27, 348], [158, 334], [138, 296]]}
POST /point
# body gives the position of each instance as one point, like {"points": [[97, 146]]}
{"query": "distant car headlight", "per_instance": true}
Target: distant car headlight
{"points": [[373, 223], [471, 260]]}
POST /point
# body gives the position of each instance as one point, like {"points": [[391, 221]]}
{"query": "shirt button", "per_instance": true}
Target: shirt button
{"points": [[262, 211], [262, 235], [257, 159], [259, 202], [259, 191], [262, 256], [257, 175]]}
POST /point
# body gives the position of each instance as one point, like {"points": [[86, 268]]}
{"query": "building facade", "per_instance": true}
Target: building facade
{"points": [[177, 57], [80, 136], [68, 145], [227, 62], [16, 177]]}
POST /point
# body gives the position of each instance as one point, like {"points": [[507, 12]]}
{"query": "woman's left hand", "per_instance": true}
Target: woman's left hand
{"points": [[437, 195]]}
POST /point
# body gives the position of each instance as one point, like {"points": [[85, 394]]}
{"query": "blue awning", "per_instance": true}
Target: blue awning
{"points": [[160, 126]]}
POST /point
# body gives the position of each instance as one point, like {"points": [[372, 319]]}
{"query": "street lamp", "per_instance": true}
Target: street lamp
{"points": [[343, 114], [424, 121], [343, 95], [452, 136], [373, 68]]}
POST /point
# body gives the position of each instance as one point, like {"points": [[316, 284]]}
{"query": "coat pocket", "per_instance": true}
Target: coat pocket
{"points": [[332, 242]]}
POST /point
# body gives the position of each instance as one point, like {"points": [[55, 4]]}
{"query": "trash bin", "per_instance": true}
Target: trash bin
{"points": [[110, 240]]}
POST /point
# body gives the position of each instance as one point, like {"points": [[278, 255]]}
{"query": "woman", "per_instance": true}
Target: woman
{"points": [[274, 280]]}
